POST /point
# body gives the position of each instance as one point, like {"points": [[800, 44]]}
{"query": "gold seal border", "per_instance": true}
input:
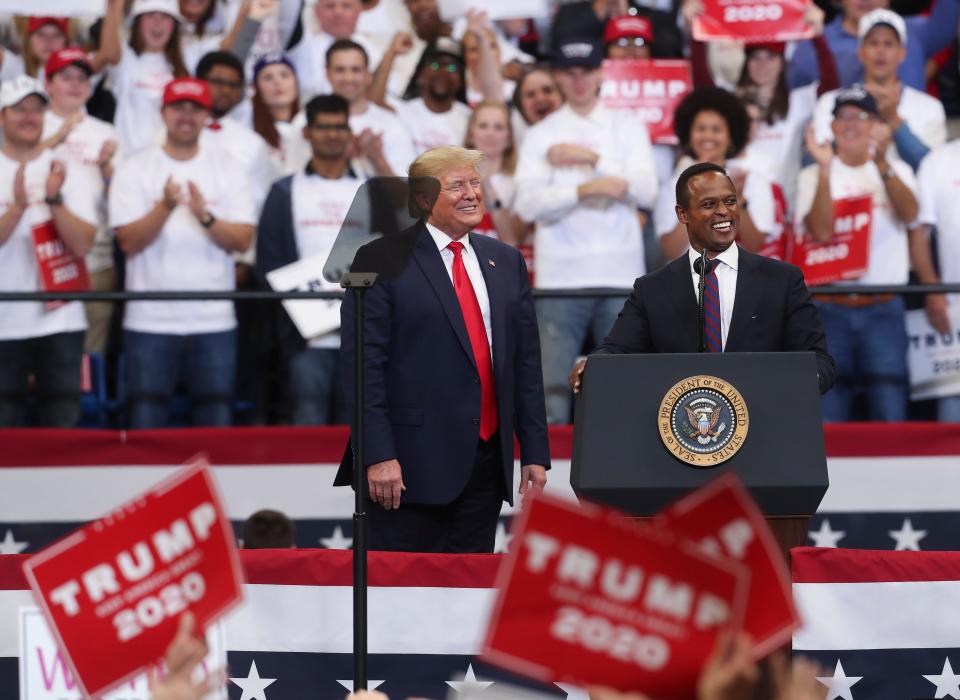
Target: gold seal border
{"points": [[740, 413]]}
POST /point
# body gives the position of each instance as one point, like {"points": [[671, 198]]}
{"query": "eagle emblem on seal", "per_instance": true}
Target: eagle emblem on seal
{"points": [[702, 421]]}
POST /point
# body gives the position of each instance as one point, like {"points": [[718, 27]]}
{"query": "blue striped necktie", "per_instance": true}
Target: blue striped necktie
{"points": [[711, 309]]}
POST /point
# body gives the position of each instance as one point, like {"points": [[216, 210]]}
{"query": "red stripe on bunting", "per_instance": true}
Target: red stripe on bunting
{"points": [[325, 445], [823, 565], [319, 567]]}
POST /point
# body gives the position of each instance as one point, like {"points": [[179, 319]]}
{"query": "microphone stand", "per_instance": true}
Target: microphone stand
{"points": [[359, 282], [701, 285]]}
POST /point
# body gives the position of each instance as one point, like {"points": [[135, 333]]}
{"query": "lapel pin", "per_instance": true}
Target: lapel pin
{"points": [[492, 264]]}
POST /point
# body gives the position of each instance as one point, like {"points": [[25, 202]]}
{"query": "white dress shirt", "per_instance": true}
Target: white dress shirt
{"points": [[472, 265], [727, 264]]}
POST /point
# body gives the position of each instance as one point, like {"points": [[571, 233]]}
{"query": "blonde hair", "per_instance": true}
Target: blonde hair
{"points": [[509, 158], [437, 161]]}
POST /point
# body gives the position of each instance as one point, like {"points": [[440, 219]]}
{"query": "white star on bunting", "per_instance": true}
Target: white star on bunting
{"points": [[947, 682], [337, 540], [253, 686], [908, 539], [838, 685], [502, 542], [371, 685], [469, 682], [10, 545], [826, 536], [574, 692]]}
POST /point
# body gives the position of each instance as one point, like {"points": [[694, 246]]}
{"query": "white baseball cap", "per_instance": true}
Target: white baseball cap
{"points": [[881, 16], [168, 7], [14, 91]]}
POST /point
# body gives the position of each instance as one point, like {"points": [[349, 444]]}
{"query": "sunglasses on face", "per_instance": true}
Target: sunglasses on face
{"points": [[448, 67]]}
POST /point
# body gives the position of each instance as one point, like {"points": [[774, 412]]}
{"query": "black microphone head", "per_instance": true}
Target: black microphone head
{"points": [[698, 265]]}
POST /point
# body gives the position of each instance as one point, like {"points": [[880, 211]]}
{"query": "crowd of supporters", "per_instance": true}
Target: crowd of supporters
{"points": [[204, 144]]}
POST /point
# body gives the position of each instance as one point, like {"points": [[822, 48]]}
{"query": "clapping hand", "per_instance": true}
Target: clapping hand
{"points": [[58, 173], [171, 193], [197, 204], [822, 153]]}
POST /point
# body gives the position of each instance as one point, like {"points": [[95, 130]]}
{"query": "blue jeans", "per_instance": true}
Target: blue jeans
{"points": [[948, 409], [207, 363], [869, 345], [54, 361], [315, 389], [564, 325]]}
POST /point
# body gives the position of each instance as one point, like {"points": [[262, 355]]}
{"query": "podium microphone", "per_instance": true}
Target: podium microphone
{"points": [[699, 265]]}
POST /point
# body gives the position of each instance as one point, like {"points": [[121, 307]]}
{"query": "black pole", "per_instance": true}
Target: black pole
{"points": [[701, 286], [359, 282]]}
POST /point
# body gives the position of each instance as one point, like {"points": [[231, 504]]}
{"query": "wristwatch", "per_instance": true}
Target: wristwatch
{"points": [[54, 201], [208, 220]]}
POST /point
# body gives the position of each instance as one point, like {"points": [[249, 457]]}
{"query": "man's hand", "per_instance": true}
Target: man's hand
{"points": [[611, 187], [386, 482], [730, 673], [184, 654], [402, 43], [881, 136], [576, 374], [822, 153], [888, 100], [937, 308], [171, 193], [569, 154], [58, 173], [105, 159], [20, 189], [533, 477], [197, 204]]}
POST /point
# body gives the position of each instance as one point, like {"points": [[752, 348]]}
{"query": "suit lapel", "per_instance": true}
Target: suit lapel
{"points": [[493, 281], [749, 291], [684, 300], [429, 260]]}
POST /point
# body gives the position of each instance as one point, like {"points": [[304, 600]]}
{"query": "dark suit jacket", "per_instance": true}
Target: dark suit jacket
{"points": [[422, 387], [772, 312]]}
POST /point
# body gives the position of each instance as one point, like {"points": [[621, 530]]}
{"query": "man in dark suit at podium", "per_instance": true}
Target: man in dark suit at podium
{"points": [[452, 363], [751, 303]]}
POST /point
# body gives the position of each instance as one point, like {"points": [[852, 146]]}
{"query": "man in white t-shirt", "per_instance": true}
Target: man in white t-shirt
{"points": [[180, 212], [918, 120], [583, 173], [301, 219], [382, 143], [865, 333], [39, 195], [338, 20], [90, 148], [939, 187], [437, 114]]}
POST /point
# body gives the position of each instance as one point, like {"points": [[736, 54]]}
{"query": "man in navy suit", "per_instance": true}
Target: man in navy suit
{"points": [[752, 303], [452, 373]]}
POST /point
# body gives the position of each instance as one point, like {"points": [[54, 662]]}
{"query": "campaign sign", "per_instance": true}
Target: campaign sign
{"points": [[933, 358], [114, 590], [847, 255], [60, 269], [752, 20], [653, 89], [725, 521], [588, 597]]}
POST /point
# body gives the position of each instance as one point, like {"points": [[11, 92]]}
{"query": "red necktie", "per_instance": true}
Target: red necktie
{"points": [[477, 332]]}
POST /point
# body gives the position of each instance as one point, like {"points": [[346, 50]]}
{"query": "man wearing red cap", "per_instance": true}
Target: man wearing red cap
{"points": [[88, 145], [180, 212], [629, 36]]}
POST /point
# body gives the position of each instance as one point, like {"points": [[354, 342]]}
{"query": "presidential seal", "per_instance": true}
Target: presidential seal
{"points": [[703, 421]]}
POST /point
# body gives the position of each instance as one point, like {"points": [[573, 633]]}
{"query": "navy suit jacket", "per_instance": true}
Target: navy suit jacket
{"points": [[772, 312], [421, 381]]}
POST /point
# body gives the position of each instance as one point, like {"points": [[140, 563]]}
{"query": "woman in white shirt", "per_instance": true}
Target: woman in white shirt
{"points": [[489, 132], [276, 101], [713, 126], [142, 68]]}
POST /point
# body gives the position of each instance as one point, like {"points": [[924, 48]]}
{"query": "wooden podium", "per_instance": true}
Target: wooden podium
{"points": [[650, 428]]}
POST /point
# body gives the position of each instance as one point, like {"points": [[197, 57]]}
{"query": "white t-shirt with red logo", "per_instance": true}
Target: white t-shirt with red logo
{"points": [[81, 150], [939, 181], [137, 82], [183, 256], [431, 129], [18, 262]]}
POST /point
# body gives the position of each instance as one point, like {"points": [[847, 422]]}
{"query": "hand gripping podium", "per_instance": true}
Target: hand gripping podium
{"points": [[650, 428]]}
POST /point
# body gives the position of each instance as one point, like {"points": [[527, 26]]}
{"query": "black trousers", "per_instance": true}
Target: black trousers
{"points": [[468, 524]]}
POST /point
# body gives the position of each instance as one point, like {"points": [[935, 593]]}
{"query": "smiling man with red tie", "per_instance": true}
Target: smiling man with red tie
{"points": [[452, 374]]}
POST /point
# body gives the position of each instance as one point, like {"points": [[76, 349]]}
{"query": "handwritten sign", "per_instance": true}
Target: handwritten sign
{"points": [[652, 88]]}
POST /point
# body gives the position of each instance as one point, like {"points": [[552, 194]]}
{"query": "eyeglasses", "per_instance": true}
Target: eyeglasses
{"points": [[449, 67], [630, 41], [229, 84], [330, 127]]}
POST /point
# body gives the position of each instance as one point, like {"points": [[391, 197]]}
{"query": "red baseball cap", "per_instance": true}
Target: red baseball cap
{"points": [[187, 90], [61, 23], [70, 56], [628, 26]]}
